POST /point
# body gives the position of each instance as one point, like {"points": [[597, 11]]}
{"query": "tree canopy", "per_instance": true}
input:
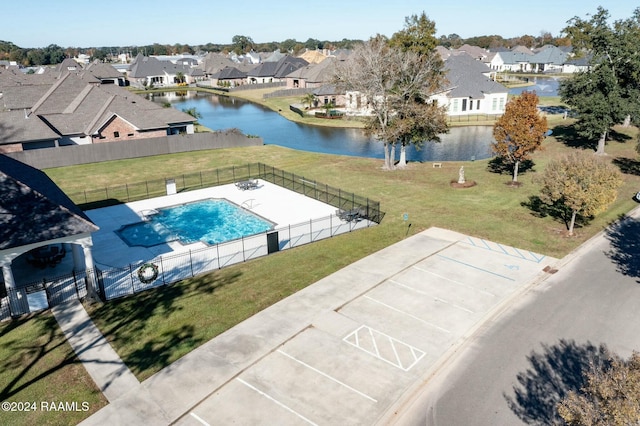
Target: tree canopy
{"points": [[396, 78], [519, 131], [607, 93], [610, 397], [580, 183]]}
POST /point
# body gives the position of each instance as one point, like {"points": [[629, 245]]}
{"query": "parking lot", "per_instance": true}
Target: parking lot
{"points": [[347, 349]]}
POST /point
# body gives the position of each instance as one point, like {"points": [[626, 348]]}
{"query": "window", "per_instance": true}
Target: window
{"points": [[455, 105], [464, 105], [501, 104], [478, 104], [494, 104], [116, 134]]}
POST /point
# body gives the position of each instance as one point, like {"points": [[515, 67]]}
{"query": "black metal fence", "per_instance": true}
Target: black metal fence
{"points": [[43, 294], [207, 178]]}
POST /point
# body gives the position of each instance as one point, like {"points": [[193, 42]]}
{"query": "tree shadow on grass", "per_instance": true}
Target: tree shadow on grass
{"points": [[552, 374], [568, 135], [557, 210], [624, 237], [627, 165], [35, 359], [499, 166], [124, 322]]}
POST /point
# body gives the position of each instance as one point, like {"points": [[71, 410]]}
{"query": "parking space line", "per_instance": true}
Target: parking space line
{"points": [[326, 375], [513, 251], [424, 293], [385, 339], [456, 282], [198, 418], [276, 401], [407, 314], [475, 267]]}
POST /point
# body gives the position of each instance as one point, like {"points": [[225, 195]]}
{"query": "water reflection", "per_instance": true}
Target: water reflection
{"points": [[543, 86], [220, 112]]}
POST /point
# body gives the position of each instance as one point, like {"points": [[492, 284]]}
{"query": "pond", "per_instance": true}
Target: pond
{"points": [[543, 86], [221, 112]]}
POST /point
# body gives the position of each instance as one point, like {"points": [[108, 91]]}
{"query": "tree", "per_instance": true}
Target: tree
{"points": [[241, 44], [610, 397], [309, 99], [607, 93], [580, 184], [417, 119], [519, 131], [418, 35], [389, 79]]}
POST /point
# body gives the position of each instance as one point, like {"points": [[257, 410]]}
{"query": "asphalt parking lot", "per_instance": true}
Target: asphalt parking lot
{"points": [[345, 350]]}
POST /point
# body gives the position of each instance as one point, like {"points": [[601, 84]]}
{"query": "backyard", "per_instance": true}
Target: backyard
{"points": [[154, 328]]}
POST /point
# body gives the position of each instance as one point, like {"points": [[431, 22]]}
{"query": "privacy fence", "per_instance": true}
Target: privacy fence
{"points": [[352, 212]]}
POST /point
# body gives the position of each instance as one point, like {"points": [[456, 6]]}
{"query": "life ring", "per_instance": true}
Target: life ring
{"points": [[148, 273]]}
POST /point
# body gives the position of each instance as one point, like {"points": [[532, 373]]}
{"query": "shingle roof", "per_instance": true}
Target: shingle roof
{"points": [[71, 107], [33, 209], [466, 78]]}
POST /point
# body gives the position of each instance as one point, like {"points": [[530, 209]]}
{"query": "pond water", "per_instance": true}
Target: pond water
{"points": [[543, 86], [221, 112]]}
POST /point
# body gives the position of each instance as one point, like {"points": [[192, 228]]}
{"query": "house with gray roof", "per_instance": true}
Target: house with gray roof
{"points": [[470, 88], [548, 59], [271, 72], [72, 111], [146, 71], [37, 220], [312, 75]]}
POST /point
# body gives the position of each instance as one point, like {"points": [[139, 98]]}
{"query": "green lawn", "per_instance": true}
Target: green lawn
{"points": [[38, 366], [153, 329]]}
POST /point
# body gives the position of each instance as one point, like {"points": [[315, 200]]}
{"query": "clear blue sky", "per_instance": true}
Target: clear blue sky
{"points": [[75, 23]]}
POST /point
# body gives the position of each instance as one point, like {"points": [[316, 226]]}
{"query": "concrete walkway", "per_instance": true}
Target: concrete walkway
{"points": [[102, 363], [345, 350]]}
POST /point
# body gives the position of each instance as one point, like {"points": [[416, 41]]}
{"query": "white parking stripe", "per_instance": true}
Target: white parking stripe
{"points": [[198, 418], [407, 314], [454, 281], [427, 294], [276, 401], [326, 375]]}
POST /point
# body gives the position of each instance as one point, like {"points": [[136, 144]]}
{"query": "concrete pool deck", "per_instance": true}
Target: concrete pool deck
{"points": [[272, 202], [346, 350]]}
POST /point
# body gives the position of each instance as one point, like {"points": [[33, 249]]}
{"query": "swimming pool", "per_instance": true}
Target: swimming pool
{"points": [[211, 221]]}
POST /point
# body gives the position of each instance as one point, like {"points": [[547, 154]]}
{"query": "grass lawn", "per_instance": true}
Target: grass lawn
{"points": [[153, 329], [38, 365]]}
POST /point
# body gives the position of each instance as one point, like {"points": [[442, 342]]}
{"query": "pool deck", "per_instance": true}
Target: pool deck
{"points": [[272, 202]]}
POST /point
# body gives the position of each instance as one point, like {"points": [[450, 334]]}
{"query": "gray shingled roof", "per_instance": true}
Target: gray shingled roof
{"points": [[15, 127], [33, 209], [466, 78]]}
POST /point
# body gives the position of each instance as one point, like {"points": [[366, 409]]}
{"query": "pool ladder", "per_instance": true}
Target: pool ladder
{"points": [[248, 204]]}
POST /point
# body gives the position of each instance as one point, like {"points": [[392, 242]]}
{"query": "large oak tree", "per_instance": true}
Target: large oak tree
{"points": [[608, 92]]}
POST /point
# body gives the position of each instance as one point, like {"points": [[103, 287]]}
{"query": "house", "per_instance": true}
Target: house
{"points": [[548, 59], [104, 73], [271, 72], [147, 71], [69, 110], [36, 216], [312, 75], [577, 64], [470, 88], [511, 61], [228, 76]]}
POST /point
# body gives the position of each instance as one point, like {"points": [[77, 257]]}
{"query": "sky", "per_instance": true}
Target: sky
{"points": [[75, 23]]}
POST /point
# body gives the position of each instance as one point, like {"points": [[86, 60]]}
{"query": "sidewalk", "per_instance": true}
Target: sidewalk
{"points": [[346, 348], [98, 357]]}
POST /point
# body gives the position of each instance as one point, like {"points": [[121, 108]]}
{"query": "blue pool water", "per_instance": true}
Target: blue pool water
{"points": [[210, 221]]}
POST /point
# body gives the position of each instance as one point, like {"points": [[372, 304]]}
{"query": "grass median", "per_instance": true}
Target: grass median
{"points": [[153, 329]]}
